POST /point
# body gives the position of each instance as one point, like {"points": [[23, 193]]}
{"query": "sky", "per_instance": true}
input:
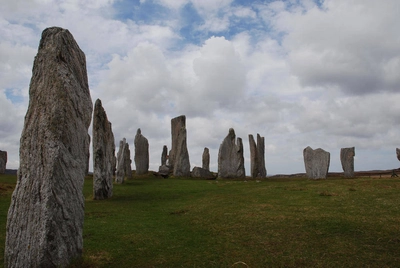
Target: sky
{"points": [[318, 73]]}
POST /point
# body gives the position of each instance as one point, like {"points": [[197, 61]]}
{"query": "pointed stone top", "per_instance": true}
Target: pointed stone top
{"points": [[98, 102], [232, 133], [138, 132]]}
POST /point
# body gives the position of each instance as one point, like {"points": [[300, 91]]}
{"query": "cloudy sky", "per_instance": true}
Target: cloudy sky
{"points": [[319, 73]]}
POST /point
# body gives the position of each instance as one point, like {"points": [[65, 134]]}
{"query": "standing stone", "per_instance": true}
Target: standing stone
{"points": [[316, 162], [179, 155], [206, 159], [347, 160], [141, 153], [128, 162], [103, 154], [230, 157], [45, 218], [257, 157], [164, 170], [124, 161], [164, 156], [262, 171], [3, 161], [398, 153]]}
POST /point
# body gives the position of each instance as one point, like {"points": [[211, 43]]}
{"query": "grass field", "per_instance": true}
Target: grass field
{"points": [[153, 222]]}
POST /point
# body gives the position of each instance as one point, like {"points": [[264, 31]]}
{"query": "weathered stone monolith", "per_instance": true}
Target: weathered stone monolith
{"points": [[179, 155], [141, 153], [103, 154], [164, 156], [316, 163], [347, 160], [45, 218], [124, 161], [230, 157], [257, 157], [398, 153], [3, 161], [206, 159]]}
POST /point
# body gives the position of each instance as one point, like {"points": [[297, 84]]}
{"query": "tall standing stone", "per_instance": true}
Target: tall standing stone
{"points": [[347, 160], [206, 159], [124, 161], [398, 153], [257, 157], [3, 161], [262, 171], [316, 163], [103, 154], [45, 218], [179, 155], [164, 156], [230, 157], [141, 153]]}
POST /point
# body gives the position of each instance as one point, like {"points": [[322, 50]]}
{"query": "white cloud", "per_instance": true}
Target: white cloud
{"points": [[348, 44]]}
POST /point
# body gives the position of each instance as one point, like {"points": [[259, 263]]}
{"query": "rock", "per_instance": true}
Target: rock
{"points": [[257, 157], [230, 157], [398, 153], [316, 163], [164, 156], [206, 159], [3, 162], [103, 154], [45, 218], [124, 161], [179, 155], [164, 171], [141, 153], [347, 160], [199, 172]]}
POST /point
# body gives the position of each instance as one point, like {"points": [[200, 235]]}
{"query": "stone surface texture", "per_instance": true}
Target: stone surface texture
{"points": [[347, 160], [257, 157], [206, 159], [103, 154], [398, 153], [124, 168], [316, 162], [3, 162], [141, 153], [45, 218], [230, 157], [179, 155]]}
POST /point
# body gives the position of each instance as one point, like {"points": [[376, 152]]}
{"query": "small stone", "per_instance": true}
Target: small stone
{"points": [[347, 160], [199, 172], [230, 157], [3, 161], [316, 163], [141, 153], [164, 171], [206, 159]]}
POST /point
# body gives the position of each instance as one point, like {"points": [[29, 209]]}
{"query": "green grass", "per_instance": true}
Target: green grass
{"points": [[153, 222]]}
